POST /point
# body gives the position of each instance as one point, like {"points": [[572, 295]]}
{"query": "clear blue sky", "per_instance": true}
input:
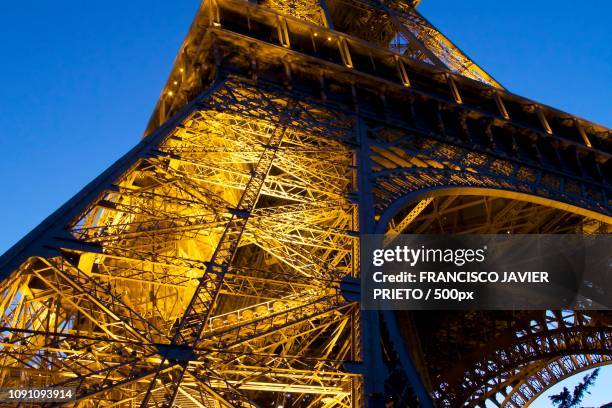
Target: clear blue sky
{"points": [[80, 79]]}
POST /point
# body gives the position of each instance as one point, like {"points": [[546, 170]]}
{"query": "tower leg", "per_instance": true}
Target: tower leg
{"points": [[374, 371]]}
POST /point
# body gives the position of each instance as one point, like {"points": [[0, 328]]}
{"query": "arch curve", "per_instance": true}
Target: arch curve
{"points": [[537, 355], [530, 388], [441, 191]]}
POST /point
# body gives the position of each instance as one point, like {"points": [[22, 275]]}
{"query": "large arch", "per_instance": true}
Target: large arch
{"points": [[406, 200], [514, 364], [530, 388]]}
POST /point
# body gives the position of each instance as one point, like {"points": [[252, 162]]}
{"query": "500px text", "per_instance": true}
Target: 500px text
{"points": [[419, 294]]}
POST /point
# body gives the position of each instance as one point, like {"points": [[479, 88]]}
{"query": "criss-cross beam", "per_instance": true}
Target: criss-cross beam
{"points": [[399, 227], [139, 223], [525, 386], [515, 357], [205, 266]]}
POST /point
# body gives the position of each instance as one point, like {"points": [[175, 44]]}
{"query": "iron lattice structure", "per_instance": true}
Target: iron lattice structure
{"points": [[216, 263]]}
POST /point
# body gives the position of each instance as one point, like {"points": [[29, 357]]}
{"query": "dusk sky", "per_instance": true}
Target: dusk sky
{"points": [[80, 79]]}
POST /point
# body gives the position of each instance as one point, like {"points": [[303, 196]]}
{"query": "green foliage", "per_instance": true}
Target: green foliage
{"points": [[565, 399]]}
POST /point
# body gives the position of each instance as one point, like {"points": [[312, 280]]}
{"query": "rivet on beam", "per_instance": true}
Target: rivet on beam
{"points": [[500, 105], [582, 132], [543, 120], [401, 70], [453, 87]]}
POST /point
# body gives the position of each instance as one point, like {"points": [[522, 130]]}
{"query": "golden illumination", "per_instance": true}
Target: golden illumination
{"points": [[208, 267]]}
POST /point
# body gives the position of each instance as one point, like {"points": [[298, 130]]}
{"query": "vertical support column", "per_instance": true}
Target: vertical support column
{"points": [[406, 361], [373, 368]]}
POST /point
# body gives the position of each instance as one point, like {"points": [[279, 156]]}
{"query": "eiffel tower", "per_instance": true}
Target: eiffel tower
{"points": [[216, 264]]}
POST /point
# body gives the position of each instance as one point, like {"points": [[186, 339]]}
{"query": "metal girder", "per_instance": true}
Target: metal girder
{"points": [[122, 314], [398, 228]]}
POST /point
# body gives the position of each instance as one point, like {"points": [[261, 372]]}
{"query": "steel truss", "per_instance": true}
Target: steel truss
{"points": [[216, 273], [215, 264], [503, 359]]}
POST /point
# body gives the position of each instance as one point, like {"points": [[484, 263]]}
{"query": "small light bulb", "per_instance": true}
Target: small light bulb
{"points": [[182, 70], [175, 82], [316, 34], [328, 38], [170, 93]]}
